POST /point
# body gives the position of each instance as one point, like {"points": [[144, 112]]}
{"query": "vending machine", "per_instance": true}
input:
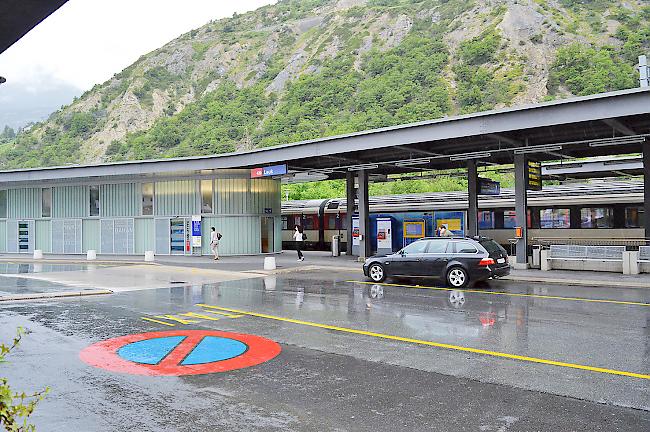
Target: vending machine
{"points": [[384, 236]]}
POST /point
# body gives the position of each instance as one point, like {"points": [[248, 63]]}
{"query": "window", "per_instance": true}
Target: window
{"points": [[310, 222], [555, 218], [466, 248], [510, 219], [46, 202], [285, 222], [437, 246], [147, 199], [3, 203], [417, 247], [597, 217], [94, 200], [486, 219], [633, 217], [206, 196]]}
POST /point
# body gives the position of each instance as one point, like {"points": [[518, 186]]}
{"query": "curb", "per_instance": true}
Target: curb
{"points": [[576, 282], [40, 296], [72, 261]]}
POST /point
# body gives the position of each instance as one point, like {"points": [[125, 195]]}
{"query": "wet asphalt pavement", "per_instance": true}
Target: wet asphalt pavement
{"points": [[340, 368]]}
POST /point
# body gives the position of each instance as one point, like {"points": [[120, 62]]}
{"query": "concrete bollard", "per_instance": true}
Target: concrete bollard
{"points": [[91, 255], [38, 254], [630, 263], [148, 256], [269, 263]]}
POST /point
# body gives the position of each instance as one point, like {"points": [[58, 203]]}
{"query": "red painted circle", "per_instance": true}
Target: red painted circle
{"points": [[104, 354]]}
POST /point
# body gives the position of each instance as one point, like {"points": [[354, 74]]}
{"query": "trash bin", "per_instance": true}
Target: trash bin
{"points": [[336, 245], [537, 255]]}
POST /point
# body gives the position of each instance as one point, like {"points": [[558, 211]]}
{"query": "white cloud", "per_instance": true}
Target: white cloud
{"points": [[87, 41]]}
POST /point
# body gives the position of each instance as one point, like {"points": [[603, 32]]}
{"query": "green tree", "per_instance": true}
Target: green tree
{"points": [[16, 407]]}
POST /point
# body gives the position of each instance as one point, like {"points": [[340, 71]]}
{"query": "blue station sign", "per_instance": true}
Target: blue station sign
{"points": [[269, 171]]}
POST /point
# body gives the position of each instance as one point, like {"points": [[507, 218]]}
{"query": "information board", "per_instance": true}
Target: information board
{"points": [[196, 231], [534, 176], [488, 187], [269, 171]]}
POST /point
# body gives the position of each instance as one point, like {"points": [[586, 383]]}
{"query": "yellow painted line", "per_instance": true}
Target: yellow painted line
{"points": [[224, 314], [200, 316], [159, 322], [177, 319], [435, 344], [504, 293]]}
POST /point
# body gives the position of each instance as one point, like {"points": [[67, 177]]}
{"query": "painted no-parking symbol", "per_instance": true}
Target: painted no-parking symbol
{"points": [[182, 352]]}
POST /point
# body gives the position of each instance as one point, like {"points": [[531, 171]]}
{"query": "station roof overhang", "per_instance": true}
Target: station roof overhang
{"points": [[17, 17], [597, 125]]}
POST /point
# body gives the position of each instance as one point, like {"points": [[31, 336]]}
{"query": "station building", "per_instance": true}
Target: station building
{"points": [[134, 213]]}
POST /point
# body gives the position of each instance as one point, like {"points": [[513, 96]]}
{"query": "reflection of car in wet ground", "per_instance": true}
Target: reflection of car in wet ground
{"points": [[456, 260]]}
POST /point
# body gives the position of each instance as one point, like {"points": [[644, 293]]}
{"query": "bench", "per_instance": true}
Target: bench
{"points": [[592, 258]]}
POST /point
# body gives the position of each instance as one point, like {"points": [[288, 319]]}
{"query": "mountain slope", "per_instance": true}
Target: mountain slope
{"points": [[302, 69]]}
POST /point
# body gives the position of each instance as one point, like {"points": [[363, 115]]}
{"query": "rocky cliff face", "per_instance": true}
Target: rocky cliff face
{"points": [[306, 68]]}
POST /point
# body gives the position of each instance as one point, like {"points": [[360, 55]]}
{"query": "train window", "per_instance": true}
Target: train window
{"points": [[285, 222], [555, 218], [486, 219], [310, 222], [634, 217], [330, 222], [596, 217], [510, 219]]}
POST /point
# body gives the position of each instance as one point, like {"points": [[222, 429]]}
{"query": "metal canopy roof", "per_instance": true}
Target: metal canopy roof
{"points": [[17, 17], [602, 124]]}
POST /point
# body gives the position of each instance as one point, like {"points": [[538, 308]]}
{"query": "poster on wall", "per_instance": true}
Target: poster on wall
{"points": [[453, 220], [384, 235], [355, 232], [196, 231]]}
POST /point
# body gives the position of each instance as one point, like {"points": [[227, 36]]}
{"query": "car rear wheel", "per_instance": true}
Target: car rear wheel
{"points": [[457, 277], [376, 273]]}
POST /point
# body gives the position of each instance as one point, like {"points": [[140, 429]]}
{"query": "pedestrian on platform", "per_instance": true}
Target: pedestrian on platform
{"points": [[214, 242], [299, 236], [444, 231]]}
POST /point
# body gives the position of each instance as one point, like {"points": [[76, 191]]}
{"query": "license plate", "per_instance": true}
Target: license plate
{"points": [[501, 260]]}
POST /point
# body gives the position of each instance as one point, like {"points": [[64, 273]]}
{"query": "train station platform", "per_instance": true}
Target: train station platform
{"points": [[315, 261]]}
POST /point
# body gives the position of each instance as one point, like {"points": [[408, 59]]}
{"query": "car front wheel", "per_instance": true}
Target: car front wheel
{"points": [[376, 273], [457, 277]]}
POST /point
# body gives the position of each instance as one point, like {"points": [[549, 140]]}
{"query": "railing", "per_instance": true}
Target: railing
{"points": [[632, 243], [644, 254], [577, 252]]}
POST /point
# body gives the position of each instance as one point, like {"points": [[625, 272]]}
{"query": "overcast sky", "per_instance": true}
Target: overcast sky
{"points": [[86, 41]]}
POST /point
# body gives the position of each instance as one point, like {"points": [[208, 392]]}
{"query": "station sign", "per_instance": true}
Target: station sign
{"points": [[269, 171], [534, 176], [488, 187]]}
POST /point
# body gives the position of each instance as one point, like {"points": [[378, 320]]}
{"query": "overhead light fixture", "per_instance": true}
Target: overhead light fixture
{"points": [[538, 149], [412, 162], [617, 141], [363, 167], [469, 156]]}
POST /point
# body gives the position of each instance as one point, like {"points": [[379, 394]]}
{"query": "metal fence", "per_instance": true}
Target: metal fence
{"points": [[632, 243], [601, 253]]}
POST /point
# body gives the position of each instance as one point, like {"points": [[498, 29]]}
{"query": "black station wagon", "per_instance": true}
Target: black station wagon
{"points": [[456, 260]]}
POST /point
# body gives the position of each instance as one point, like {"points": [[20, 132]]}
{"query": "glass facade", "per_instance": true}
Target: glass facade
{"points": [[147, 199], [596, 217], [206, 197], [94, 200], [46, 202], [3, 203]]}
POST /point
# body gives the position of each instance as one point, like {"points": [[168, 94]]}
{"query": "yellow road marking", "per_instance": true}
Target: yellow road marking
{"points": [[504, 293], [159, 322], [223, 313], [177, 319], [435, 344], [201, 316]]}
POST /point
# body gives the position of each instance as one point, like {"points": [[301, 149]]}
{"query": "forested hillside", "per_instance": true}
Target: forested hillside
{"points": [[303, 69]]}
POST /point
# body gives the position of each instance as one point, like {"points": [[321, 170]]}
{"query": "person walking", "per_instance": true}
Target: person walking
{"points": [[214, 242], [299, 237]]}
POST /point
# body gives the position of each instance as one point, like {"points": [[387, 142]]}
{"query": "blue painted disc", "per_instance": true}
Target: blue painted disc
{"points": [[213, 349], [150, 351]]}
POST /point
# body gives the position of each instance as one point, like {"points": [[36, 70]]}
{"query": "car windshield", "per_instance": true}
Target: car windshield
{"points": [[492, 247]]}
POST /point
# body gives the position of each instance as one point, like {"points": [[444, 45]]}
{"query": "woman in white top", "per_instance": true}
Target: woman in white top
{"points": [[299, 237], [214, 242]]}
